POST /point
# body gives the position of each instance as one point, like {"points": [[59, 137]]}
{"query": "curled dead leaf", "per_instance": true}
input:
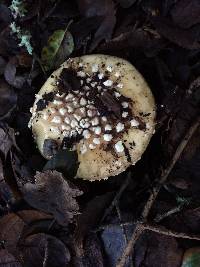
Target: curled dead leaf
{"points": [[52, 194]]}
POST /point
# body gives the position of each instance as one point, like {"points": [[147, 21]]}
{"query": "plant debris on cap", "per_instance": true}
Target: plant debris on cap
{"points": [[99, 106]]}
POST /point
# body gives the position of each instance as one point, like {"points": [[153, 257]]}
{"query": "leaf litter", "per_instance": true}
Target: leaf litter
{"points": [[47, 218], [52, 194]]}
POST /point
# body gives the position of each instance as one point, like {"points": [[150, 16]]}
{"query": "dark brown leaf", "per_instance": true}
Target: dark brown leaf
{"points": [[149, 42], [86, 222], [185, 38], [24, 60], [52, 194], [105, 30], [11, 76], [5, 16], [126, 3], [30, 216], [7, 139], [82, 30], [189, 110], [43, 250], [7, 259], [191, 219], [8, 99], [91, 8], [2, 65], [10, 229], [6, 195], [65, 160], [8, 45], [157, 248], [186, 13], [104, 9], [93, 254], [66, 9], [187, 169], [37, 227]]}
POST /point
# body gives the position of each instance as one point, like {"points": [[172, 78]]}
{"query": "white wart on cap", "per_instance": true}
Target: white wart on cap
{"points": [[101, 107]]}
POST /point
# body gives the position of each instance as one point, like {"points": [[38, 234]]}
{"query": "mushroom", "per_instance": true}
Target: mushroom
{"points": [[100, 106]]}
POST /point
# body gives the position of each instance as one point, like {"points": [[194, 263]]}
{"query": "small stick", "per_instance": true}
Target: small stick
{"points": [[123, 231], [117, 197], [167, 232], [154, 228], [162, 216]]}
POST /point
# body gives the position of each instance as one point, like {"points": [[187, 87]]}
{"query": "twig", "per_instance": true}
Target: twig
{"points": [[167, 232], [117, 197], [140, 226], [50, 11], [162, 216], [120, 219], [123, 230], [110, 225], [154, 228], [136, 234]]}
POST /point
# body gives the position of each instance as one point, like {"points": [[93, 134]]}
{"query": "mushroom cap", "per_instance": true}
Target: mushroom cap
{"points": [[103, 106]]}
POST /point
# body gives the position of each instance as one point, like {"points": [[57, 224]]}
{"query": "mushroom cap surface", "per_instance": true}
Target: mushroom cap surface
{"points": [[100, 106]]}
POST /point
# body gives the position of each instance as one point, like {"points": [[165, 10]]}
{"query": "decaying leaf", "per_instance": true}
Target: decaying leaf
{"points": [[64, 161], [42, 250], [8, 99], [126, 3], [5, 16], [104, 9], [11, 227], [31, 216], [106, 28], [191, 258], [7, 259], [150, 43], [52, 194], [33, 251], [93, 254], [161, 39], [184, 38], [114, 243], [86, 222], [7, 139], [186, 13], [153, 248], [2, 65], [11, 75], [60, 45], [189, 110], [6, 195]]}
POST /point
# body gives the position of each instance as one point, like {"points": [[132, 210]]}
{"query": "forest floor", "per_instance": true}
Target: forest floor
{"points": [[149, 215]]}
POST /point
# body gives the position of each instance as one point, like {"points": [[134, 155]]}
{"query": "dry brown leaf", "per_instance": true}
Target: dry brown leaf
{"points": [[11, 227], [42, 250], [52, 194]]}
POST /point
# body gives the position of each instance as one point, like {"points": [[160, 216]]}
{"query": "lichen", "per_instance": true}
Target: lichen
{"points": [[18, 8], [23, 36]]}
